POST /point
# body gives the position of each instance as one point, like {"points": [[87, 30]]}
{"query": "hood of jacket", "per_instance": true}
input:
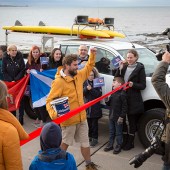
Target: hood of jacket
{"points": [[8, 117], [52, 154]]}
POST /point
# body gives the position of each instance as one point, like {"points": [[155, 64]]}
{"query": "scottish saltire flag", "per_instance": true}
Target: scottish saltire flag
{"points": [[40, 85]]}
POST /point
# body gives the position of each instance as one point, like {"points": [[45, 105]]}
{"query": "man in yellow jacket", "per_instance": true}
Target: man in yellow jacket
{"points": [[69, 83]]}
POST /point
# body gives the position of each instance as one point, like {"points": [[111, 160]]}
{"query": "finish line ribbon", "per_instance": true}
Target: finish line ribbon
{"points": [[70, 114]]}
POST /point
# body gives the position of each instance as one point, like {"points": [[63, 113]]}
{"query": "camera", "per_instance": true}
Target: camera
{"points": [[161, 52], [143, 156]]}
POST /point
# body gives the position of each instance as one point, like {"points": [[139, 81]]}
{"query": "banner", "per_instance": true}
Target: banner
{"points": [[40, 85], [15, 92]]}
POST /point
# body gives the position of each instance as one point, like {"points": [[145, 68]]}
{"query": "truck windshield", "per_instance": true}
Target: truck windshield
{"points": [[146, 57]]}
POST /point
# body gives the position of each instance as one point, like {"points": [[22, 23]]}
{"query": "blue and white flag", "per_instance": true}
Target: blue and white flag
{"points": [[40, 85], [98, 82]]}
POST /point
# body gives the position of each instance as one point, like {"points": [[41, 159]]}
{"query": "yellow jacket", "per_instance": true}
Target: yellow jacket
{"points": [[10, 135], [71, 87]]}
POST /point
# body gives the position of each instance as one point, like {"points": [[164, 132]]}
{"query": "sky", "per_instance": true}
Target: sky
{"points": [[87, 3]]}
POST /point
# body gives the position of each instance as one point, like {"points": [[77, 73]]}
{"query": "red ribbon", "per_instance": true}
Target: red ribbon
{"points": [[70, 114]]}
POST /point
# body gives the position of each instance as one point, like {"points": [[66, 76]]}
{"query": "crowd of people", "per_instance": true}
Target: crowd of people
{"points": [[74, 79]]}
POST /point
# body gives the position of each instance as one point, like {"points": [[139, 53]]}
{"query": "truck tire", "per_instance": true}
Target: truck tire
{"points": [[148, 125], [28, 107]]}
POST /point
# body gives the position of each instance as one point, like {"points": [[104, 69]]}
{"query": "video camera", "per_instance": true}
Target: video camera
{"points": [[143, 156], [161, 52]]}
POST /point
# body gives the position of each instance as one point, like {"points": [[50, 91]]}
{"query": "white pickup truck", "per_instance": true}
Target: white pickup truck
{"points": [[154, 107]]}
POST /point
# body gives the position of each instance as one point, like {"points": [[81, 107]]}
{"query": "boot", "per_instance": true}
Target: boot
{"points": [[94, 142], [21, 120], [130, 143], [125, 140]]}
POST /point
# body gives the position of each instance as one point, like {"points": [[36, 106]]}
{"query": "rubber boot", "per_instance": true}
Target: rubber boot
{"points": [[125, 140], [130, 143]]}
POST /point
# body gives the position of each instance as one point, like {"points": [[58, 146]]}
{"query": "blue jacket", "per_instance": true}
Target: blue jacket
{"points": [[53, 159]]}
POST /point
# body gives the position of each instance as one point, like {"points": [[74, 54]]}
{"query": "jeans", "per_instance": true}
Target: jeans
{"points": [[115, 131], [166, 167]]}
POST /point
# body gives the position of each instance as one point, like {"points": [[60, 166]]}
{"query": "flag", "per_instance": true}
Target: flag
{"points": [[15, 92], [115, 61], [98, 82], [40, 85]]}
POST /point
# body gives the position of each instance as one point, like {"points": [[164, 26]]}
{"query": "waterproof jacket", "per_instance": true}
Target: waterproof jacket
{"points": [[52, 159], [13, 69], [10, 135], [163, 90], [138, 77], [95, 110], [71, 87], [118, 105]]}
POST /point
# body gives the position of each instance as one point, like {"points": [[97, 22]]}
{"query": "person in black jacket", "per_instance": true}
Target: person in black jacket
{"points": [[118, 110], [94, 112], [55, 58], [13, 69], [134, 73]]}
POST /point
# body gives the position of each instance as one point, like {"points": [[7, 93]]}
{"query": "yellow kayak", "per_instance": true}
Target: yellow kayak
{"points": [[113, 34], [58, 30]]}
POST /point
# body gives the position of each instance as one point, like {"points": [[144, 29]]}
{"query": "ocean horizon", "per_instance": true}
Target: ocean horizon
{"points": [[140, 24]]}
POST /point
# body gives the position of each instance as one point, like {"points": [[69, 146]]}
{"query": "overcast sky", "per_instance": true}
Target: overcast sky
{"points": [[87, 3]]}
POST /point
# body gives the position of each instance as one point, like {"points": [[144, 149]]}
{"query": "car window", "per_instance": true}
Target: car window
{"points": [[72, 49], [103, 61], [146, 57]]}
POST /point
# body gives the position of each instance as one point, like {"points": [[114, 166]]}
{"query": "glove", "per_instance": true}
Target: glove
{"points": [[120, 120]]}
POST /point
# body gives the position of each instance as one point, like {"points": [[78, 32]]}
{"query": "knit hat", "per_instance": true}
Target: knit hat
{"points": [[50, 136]]}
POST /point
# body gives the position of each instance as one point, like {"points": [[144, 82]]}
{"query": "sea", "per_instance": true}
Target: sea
{"points": [[142, 25]]}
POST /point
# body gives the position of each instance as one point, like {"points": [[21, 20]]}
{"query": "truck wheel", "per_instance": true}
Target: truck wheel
{"points": [[28, 107], [149, 124]]}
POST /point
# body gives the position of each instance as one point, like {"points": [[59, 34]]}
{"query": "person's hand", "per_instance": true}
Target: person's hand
{"points": [[28, 71], [93, 51], [106, 99], [41, 69], [121, 63], [130, 83], [89, 87], [166, 57], [120, 120]]}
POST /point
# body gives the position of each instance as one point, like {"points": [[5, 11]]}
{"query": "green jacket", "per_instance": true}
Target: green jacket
{"points": [[163, 90]]}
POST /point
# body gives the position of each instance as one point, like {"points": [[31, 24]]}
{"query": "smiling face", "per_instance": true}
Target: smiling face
{"points": [[131, 58], [72, 69], [83, 51], [12, 51], [57, 55], [35, 54], [115, 84]]}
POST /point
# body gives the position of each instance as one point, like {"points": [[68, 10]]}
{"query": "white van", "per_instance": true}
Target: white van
{"points": [[154, 107]]}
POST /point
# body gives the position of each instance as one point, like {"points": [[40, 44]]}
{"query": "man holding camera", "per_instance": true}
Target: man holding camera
{"points": [[163, 90]]}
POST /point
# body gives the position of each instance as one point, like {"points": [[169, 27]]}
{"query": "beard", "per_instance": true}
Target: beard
{"points": [[73, 72]]}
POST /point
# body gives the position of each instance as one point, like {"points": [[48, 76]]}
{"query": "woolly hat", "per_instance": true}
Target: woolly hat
{"points": [[50, 136]]}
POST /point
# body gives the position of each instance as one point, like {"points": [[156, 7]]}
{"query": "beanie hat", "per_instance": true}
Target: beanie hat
{"points": [[50, 136]]}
